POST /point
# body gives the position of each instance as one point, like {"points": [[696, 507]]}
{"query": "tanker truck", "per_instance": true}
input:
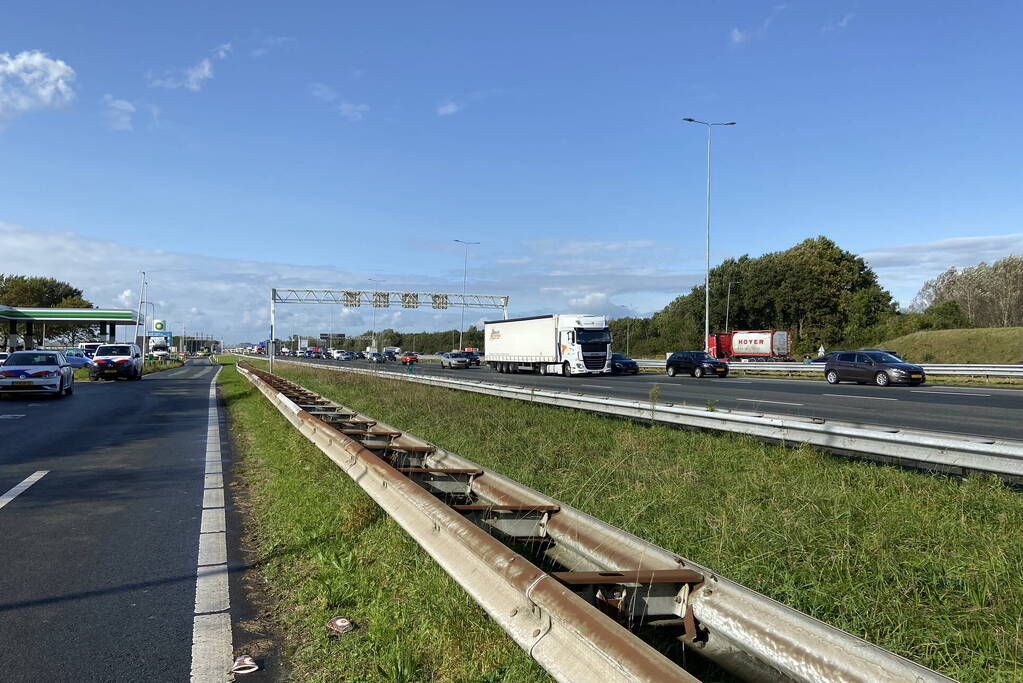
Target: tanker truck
{"points": [[565, 344], [751, 345]]}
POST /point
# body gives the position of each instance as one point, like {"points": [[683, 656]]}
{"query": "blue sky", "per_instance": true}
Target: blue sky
{"points": [[233, 147]]}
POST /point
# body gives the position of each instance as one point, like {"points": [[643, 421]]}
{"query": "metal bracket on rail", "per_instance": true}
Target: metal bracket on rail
{"points": [[657, 597]]}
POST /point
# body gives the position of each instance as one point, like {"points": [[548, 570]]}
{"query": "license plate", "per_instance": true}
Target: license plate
{"points": [[23, 384], [110, 372], [916, 376], [720, 371]]}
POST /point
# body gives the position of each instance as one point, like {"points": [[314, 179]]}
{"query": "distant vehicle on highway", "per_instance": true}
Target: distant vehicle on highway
{"points": [[695, 363], [409, 357], [877, 367], [751, 345], [456, 359], [116, 360], [76, 358], [37, 372], [566, 343], [376, 358], [89, 347], [389, 355], [623, 365]]}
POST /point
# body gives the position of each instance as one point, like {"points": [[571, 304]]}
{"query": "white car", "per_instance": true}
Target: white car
{"points": [[116, 360], [37, 372]]}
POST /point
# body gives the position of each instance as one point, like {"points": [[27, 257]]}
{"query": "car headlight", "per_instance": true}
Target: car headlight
{"points": [[898, 371]]}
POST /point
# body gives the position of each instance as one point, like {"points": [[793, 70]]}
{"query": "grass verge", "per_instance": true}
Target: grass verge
{"points": [[325, 549], [926, 566], [991, 345]]}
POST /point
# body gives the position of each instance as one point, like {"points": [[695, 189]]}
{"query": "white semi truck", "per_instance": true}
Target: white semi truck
{"points": [[560, 344]]}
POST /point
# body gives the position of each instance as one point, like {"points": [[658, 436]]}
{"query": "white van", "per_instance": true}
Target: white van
{"points": [[116, 360]]}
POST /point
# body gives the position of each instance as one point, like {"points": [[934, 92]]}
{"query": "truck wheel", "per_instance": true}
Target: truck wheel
{"points": [[541, 369], [566, 370], [831, 376], [697, 372], [671, 371], [882, 379]]}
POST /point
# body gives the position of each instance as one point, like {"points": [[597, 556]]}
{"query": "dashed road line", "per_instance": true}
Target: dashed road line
{"points": [[211, 623], [21, 488], [870, 398], [947, 393], [758, 400], [597, 386], [12, 416]]}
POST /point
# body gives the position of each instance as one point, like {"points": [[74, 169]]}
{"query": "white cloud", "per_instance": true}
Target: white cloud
{"points": [[448, 108], [836, 25], [193, 77], [33, 80], [352, 112], [118, 113], [903, 269], [737, 36], [230, 296], [322, 91], [270, 43]]}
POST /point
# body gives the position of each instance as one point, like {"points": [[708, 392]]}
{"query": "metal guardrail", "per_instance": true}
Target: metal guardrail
{"points": [[747, 633], [940, 369], [929, 450]]}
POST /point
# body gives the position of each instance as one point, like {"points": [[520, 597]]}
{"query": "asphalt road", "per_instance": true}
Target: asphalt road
{"points": [[975, 411], [99, 556]]}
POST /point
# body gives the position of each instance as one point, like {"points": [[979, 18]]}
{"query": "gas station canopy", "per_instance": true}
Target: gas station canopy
{"points": [[66, 316]]}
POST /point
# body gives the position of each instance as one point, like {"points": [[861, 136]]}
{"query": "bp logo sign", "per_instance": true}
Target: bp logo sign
{"points": [[159, 326]]}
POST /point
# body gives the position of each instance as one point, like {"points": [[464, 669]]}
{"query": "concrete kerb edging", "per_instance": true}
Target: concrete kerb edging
{"points": [[541, 615], [936, 451], [748, 633]]}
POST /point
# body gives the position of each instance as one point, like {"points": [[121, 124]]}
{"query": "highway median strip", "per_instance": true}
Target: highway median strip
{"points": [[817, 533]]}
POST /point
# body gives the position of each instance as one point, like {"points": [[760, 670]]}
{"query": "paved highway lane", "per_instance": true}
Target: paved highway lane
{"points": [[99, 554], [975, 411]]}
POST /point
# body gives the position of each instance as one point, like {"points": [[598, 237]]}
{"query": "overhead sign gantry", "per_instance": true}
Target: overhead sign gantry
{"points": [[355, 298]]}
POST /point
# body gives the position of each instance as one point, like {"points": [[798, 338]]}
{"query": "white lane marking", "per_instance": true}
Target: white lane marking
{"points": [[947, 393], [211, 624], [757, 400], [735, 381], [11, 417], [598, 386], [872, 398], [20, 488]]}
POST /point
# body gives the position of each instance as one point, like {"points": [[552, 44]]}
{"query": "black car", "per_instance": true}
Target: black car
{"points": [[389, 355], [877, 367], [623, 365], [474, 358], [696, 363]]}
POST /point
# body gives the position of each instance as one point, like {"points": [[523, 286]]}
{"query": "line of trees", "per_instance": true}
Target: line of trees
{"points": [[425, 342], [827, 297], [987, 295], [43, 292]]}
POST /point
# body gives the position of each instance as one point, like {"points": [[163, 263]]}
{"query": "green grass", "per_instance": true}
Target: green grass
{"points": [[927, 566], [995, 345], [150, 366], [325, 549]]}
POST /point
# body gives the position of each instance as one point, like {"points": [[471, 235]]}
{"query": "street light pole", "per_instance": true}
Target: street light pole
{"points": [[465, 277], [142, 297], [706, 275]]}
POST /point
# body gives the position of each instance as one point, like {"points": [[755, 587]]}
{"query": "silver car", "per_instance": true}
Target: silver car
{"points": [[376, 358], [458, 359], [46, 372]]}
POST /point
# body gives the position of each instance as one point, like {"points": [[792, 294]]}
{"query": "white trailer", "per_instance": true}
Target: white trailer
{"points": [[565, 344]]}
